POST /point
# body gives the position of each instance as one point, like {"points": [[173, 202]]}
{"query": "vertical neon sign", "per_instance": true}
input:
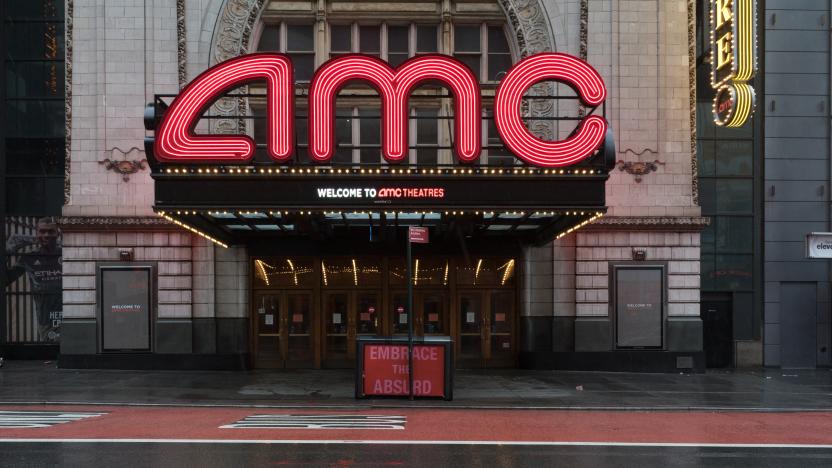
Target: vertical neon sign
{"points": [[733, 60]]}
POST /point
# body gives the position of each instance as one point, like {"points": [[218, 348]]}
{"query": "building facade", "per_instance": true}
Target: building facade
{"points": [[33, 155], [687, 206]]}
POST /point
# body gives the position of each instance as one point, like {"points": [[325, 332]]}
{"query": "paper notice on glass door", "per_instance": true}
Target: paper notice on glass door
{"points": [[470, 317], [336, 318], [402, 318], [269, 319]]}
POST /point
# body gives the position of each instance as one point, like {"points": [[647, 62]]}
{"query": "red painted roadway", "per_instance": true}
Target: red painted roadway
{"points": [[450, 425]]}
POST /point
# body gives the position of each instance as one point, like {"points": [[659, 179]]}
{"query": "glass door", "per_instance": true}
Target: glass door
{"points": [[297, 325], [336, 307], [398, 312], [367, 313], [433, 313], [430, 313], [268, 331], [471, 316], [500, 326], [347, 315]]}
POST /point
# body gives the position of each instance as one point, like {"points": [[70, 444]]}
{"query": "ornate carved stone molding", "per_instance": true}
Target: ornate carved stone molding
{"points": [[232, 36], [638, 169], [532, 33], [584, 32], [68, 26], [113, 223], [692, 99], [125, 166], [649, 223], [181, 56]]}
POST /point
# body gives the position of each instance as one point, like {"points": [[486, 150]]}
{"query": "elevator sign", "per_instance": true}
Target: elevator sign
{"points": [[733, 60], [819, 245]]}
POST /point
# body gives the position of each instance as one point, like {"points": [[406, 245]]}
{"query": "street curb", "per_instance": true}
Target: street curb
{"points": [[372, 406]]}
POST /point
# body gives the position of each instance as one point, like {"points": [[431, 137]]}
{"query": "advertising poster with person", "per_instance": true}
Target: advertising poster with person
{"points": [[33, 280]]}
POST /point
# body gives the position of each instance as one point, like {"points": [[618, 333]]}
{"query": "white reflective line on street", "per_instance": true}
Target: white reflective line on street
{"points": [[318, 421], [414, 442], [40, 419]]}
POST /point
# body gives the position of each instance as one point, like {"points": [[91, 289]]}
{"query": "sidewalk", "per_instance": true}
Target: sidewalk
{"points": [[763, 390]]}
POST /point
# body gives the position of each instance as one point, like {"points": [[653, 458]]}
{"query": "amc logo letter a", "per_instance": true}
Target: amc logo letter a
{"points": [[176, 141]]}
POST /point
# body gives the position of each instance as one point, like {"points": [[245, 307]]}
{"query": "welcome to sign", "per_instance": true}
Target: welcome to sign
{"points": [[177, 142]]}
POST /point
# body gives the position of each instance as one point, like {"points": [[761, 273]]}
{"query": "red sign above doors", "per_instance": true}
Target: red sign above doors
{"points": [[418, 235]]}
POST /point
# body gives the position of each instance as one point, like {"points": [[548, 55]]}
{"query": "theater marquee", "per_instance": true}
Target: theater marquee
{"points": [[214, 185]]}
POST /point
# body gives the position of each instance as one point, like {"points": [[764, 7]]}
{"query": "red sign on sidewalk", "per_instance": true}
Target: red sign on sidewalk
{"points": [[418, 235], [386, 372]]}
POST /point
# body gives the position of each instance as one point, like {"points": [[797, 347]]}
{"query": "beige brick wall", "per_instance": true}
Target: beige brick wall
{"points": [[124, 52], [640, 48], [596, 250], [171, 251]]}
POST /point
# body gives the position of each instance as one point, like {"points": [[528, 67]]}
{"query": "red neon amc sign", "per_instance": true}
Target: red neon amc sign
{"points": [[176, 141]]}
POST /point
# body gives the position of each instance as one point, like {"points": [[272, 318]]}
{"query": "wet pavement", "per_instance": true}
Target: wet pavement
{"points": [[512, 418], [771, 390], [128, 455]]}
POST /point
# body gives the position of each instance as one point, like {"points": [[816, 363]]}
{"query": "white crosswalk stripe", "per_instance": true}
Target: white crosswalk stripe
{"points": [[318, 421], [36, 419]]}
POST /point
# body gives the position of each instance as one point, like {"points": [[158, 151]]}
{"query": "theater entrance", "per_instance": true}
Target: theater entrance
{"points": [[283, 329], [486, 330], [309, 312]]}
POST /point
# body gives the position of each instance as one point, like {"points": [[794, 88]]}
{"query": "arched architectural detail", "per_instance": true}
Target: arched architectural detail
{"points": [[532, 33], [232, 36], [527, 20]]}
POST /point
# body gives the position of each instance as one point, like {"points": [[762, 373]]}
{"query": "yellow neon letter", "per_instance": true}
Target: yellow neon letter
{"points": [[723, 50], [723, 12]]}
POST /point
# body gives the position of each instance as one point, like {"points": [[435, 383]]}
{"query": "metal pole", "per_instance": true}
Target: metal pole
{"points": [[409, 318]]}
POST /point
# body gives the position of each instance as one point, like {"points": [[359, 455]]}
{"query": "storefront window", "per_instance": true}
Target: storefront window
{"points": [[427, 271], [283, 272], [486, 272], [349, 272]]}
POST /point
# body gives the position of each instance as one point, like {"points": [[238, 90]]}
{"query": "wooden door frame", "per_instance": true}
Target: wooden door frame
{"points": [[457, 310], [255, 327], [323, 321], [419, 298], [311, 331], [489, 362]]}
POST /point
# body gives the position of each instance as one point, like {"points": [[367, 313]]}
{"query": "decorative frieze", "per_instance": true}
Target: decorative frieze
{"points": [[649, 223], [115, 223]]}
